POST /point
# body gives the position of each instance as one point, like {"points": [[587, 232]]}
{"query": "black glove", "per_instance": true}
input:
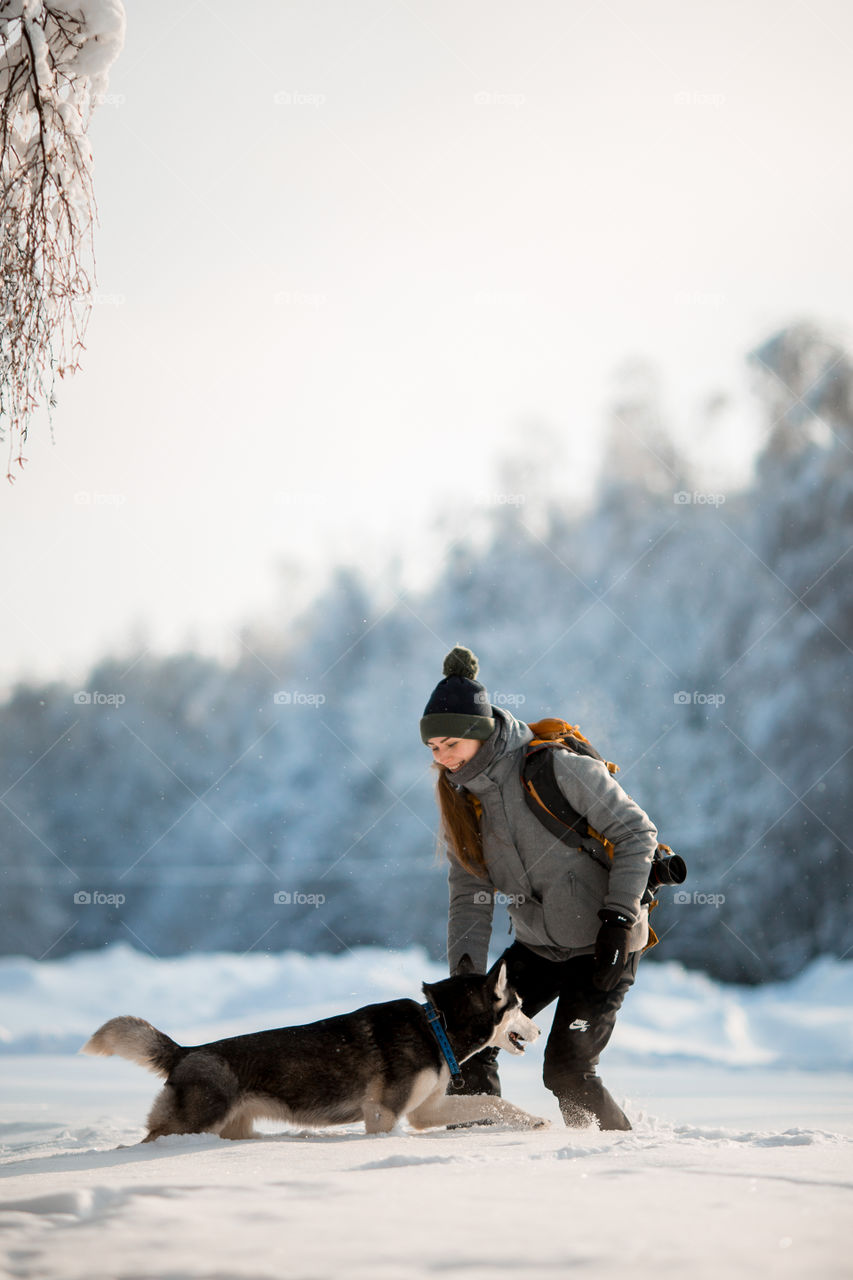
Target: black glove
{"points": [[611, 949]]}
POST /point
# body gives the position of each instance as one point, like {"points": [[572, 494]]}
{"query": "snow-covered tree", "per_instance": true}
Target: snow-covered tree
{"points": [[54, 60], [806, 380], [704, 648]]}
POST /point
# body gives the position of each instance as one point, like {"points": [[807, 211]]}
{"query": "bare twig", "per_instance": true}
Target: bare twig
{"points": [[48, 209]]}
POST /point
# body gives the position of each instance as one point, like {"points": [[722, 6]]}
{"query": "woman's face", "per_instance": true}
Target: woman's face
{"points": [[452, 753]]}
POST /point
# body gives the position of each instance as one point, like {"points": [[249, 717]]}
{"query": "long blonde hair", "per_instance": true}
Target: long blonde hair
{"points": [[460, 824]]}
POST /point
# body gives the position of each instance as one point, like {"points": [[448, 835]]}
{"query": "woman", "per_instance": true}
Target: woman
{"points": [[579, 926]]}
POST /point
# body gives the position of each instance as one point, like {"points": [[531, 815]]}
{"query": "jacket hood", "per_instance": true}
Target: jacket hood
{"points": [[514, 733]]}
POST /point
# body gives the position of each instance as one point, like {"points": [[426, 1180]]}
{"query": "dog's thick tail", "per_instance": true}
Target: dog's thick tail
{"points": [[136, 1039]]}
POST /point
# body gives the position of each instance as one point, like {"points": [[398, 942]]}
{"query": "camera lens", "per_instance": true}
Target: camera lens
{"points": [[672, 870]]}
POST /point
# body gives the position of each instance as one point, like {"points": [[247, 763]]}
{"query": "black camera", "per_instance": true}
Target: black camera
{"points": [[667, 870]]}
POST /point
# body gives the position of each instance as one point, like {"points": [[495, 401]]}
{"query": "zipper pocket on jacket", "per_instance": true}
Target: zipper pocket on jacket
{"points": [[580, 889]]}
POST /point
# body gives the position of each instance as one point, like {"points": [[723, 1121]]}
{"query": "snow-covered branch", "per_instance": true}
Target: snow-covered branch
{"points": [[54, 61]]}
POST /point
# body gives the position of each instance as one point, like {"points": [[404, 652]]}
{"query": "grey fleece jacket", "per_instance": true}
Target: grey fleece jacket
{"points": [[553, 892]]}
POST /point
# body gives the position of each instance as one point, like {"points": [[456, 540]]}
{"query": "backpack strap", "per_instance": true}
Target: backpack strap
{"points": [[545, 798]]}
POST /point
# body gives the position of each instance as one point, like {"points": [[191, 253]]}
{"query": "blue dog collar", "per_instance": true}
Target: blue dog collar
{"points": [[435, 1021]]}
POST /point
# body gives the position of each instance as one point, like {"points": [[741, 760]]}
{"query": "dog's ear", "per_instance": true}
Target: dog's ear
{"points": [[464, 965], [497, 977]]}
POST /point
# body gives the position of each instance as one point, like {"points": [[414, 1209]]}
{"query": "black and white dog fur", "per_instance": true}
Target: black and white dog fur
{"points": [[377, 1064]]}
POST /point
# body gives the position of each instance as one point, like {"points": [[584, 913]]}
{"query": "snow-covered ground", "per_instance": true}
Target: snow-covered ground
{"points": [[739, 1163]]}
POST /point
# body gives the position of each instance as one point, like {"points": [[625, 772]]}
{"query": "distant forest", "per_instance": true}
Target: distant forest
{"points": [[700, 639]]}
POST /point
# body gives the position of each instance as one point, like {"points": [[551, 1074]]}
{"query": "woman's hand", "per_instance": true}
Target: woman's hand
{"points": [[611, 949]]}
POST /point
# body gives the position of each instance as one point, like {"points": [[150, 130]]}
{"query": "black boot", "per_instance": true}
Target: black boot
{"points": [[583, 1098], [480, 1075]]}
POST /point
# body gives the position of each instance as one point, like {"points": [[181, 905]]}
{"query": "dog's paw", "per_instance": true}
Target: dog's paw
{"points": [[536, 1122]]}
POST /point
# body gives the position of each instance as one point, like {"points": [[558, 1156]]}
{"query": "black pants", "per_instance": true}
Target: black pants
{"points": [[583, 1020]]}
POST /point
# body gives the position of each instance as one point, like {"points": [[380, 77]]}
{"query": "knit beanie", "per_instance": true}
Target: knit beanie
{"points": [[459, 706]]}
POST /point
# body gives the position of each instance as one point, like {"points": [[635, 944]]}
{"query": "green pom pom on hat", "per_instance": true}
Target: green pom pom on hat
{"points": [[461, 662], [459, 705]]}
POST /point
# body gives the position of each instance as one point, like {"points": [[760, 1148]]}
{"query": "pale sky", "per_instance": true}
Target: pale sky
{"points": [[350, 250]]}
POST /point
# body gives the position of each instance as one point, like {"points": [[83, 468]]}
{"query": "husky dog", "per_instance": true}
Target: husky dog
{"points": [[376, 1064]]}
